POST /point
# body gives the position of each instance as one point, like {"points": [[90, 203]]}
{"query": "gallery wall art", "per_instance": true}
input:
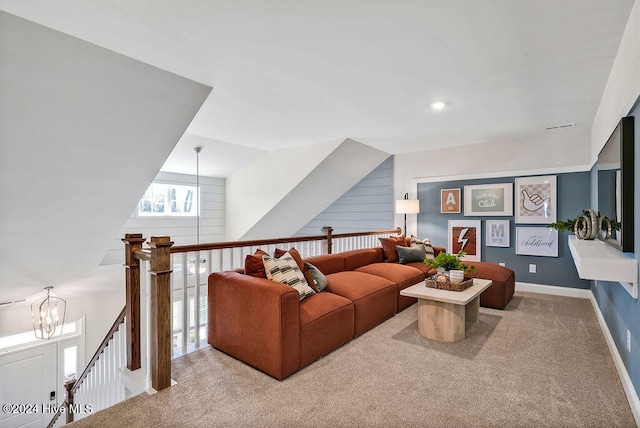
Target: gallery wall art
{"points": [[536, 200], [497, 233], [464, 235], [537, 241], [450, 201], [488, 200]]}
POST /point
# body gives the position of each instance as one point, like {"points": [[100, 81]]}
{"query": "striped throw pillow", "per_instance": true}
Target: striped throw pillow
{"points": [[286, 270], [426, 244]]}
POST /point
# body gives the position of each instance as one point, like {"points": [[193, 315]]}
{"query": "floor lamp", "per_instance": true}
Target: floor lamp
{"points": [[407, 206]]}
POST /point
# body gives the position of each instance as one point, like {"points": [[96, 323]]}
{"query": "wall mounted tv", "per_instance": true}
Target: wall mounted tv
{"points": [[615, 184]]}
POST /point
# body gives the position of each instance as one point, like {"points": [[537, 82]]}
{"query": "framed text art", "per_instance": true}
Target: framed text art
{"points": [[537, 241], [497, 233], [449, 201], [464, 235], [488, 200], [536, 200]]}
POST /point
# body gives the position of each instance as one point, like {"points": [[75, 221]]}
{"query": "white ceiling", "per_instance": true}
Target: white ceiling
{"points": [[287, 73]]}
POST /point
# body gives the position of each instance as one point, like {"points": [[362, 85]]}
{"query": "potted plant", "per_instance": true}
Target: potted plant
{"points": [[449, 262]]}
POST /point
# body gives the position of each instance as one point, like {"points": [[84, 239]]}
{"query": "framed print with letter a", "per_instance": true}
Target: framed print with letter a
{"points": [[449, 201], [464, 235]]}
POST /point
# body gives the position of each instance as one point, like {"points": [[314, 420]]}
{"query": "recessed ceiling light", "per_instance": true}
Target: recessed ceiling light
{"points": [[438, 105]]}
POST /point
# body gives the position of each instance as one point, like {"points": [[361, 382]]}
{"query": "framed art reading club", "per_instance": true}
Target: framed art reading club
{"points": [[488, 200]]}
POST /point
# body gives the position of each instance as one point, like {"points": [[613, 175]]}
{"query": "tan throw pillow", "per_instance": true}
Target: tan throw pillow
{"points": [[426, 244], [302, 265], [286, 271]]}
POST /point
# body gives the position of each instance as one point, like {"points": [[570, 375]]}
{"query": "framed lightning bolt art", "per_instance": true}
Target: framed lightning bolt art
{"points": [[465, 235]]}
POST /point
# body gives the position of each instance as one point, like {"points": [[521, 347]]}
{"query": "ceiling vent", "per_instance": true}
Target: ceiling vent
{"points": [[566, 125]]}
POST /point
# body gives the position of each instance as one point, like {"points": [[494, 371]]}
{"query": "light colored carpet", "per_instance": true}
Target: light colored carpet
{"points": [[542, 362]]}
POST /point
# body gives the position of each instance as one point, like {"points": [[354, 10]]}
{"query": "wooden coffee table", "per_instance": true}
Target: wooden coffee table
{"points": [[442, 314]]}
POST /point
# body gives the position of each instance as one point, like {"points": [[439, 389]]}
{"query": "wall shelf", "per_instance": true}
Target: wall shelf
{"points": [[598, 261]]}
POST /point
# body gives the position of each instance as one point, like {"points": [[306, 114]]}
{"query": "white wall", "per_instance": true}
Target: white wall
{"points": [[623, 85], [83, 132], [182, 230], [101, 311], [283, 190], [565, 150]]}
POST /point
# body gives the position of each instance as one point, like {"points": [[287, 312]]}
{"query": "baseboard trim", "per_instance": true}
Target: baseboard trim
{"points": [[553, 290], [629, 390]]}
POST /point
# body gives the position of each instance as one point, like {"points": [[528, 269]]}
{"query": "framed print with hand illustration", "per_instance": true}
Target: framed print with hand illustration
{"points": [[536, 200]]}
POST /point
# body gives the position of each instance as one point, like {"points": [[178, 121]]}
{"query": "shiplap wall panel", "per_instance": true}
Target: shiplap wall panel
{"points": [[182, 230], [366, 206]]}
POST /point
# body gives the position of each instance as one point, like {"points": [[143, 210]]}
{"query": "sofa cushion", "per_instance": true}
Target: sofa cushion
{"points": [[411, 254], [317, 276], [328, 263], [357, 258], [402, 275], [253, 264], [326, 322], [286, 270], [374, 298]]}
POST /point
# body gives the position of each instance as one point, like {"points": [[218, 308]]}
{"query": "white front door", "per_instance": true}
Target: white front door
{"points": [[27, 378]]}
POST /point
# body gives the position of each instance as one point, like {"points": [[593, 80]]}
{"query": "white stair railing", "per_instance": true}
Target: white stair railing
{"points": [[100, 385], [103, 386]]}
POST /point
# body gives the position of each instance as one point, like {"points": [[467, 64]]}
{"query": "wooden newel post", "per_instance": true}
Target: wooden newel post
{"points": [[133, 242], [68, 386], [328, 230], [160, 317]]}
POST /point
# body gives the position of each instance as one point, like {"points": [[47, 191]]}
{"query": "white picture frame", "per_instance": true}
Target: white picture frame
{"points": [[536, 241], [485, 200], [497, 233], [464, 235], [536, 200]]}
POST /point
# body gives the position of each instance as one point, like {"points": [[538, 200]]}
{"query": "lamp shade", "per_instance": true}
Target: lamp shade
{"points": [[407, 206]]}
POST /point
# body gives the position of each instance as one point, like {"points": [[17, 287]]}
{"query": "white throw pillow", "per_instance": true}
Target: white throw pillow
{"points": [[426, 244], [286, 270]]}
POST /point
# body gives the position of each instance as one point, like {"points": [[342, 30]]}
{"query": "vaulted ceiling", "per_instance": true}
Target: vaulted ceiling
{"points": [[289, 73]]}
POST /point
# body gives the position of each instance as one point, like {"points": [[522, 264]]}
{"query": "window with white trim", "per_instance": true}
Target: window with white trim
{"points": [[169, 200]]}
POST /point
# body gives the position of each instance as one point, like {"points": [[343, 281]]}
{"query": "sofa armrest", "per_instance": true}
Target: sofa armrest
{"points": [[438, 250], [255, 320]]}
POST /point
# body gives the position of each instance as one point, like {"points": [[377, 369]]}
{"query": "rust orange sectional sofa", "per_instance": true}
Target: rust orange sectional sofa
{"points": [[264, 324]]}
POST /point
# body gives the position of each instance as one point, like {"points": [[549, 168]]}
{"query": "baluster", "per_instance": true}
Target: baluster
{"points": [[196, 307], [184, 309]]}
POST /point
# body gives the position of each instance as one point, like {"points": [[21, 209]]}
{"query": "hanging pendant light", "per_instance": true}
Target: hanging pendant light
{"points": [[192, 261], [47, 314]]}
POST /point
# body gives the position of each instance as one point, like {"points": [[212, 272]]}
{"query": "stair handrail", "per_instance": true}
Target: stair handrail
{"points": [[73, 385], [258, 242]]}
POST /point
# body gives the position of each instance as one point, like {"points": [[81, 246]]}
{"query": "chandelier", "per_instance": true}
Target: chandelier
{"points": [[47, 314]]}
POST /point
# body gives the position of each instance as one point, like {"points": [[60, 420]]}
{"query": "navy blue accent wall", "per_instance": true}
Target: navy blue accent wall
{"points": [[621, 311], [574, 195]]}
